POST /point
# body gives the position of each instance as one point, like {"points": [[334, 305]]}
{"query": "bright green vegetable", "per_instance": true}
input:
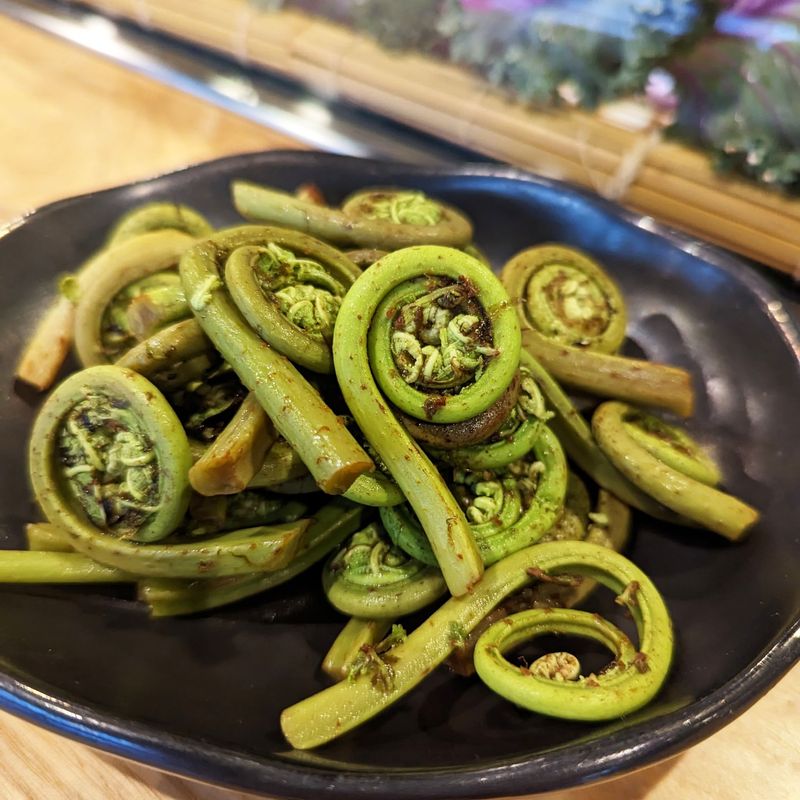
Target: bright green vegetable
{"points": [[179, 343], [371, 578], [514, 440], [573, 319], [340, 708], [553, 685], [703, 504], [241, 552], [47, 537], [102, 333], [374, 489], [356, 636], [290, 290], [573, 520], [25, 566], [158, 302], [576, 437], [108, 456], [329, 526], [610, 527], [441, 350], [567, 298], [672, 446], [155, 217], [320, 437], [508, 509], [355, 361], [361, 225]]}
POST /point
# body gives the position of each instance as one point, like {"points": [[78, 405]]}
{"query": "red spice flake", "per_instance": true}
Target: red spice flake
{"points": [[310, 193], [433, 404], [640, 662], [561, 580], [469, 287], [629, 595]]}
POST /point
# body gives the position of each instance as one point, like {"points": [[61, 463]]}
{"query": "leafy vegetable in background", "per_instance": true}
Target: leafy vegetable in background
{"points": [[727, 71], [739, 92], [543, 51]]}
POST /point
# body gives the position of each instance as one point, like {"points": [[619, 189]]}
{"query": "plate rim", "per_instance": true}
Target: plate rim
{"points": [[603, 758]]}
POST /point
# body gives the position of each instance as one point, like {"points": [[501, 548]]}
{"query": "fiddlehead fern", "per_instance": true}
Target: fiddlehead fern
{"points": [[567, 298], [153, 303], [573, 319], [515, 438], [575, 435], [176, 344], [340, 708], [433, 341], [685, 495], [553, 685], [375, 661], [357, 635], [290, 289], [370, 578], [235, 456], [508, 509], [47, 537], [50, 343], [672, 446], [243, 540], [321, 439], [610, 527], [363, 348], [395, 205], [107, 452], [329, 526], [573, 520], [264, 548], [24, 566], [102, 330], [360, 223], [156, 217]]}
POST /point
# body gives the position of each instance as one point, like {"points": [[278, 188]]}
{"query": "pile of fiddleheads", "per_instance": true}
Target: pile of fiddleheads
{"points": [[257, 400]]}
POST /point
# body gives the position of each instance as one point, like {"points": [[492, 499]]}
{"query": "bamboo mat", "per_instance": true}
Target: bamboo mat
{"points": [[617, 151]]}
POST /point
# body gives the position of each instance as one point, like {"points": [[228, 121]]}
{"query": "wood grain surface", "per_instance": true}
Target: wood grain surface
{"points": [[73, 122]]}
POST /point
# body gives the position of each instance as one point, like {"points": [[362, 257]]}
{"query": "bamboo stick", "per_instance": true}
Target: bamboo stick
{"points": [[403, 77], [679, 207], [673, 182]]}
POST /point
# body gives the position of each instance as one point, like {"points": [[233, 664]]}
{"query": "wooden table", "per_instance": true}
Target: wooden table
{"points": [[73, 122]]}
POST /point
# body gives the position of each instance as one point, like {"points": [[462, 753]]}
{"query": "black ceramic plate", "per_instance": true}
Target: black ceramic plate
{"points": [[201, 696]]}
